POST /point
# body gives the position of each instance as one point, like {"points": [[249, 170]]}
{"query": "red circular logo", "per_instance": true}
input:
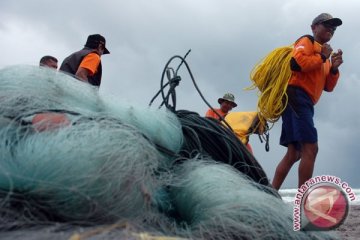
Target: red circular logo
{"points": [[325, 206]]}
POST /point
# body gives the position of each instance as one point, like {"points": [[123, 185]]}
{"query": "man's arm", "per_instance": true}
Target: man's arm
{"points": [[88, 66], [82, 74], [336, 61], [332, 78], [305, 56]]}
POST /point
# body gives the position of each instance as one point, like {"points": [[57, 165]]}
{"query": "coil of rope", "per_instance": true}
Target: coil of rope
{"points": [[270, 76]]}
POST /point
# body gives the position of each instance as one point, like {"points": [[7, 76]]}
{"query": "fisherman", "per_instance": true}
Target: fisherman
{"points": [[312, 72], [86, 63], [227, 103], [49, 61]]}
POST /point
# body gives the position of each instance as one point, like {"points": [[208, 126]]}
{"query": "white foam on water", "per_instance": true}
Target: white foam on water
{"points": [[288, 195]]}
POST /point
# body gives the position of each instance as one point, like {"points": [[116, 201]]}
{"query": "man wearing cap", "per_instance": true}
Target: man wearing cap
{"points": [[227, 102], [86, 63], [314, 68]]}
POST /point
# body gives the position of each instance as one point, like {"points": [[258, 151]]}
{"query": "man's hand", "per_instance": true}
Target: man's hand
{"points": [[326, 50], [336, 60]]}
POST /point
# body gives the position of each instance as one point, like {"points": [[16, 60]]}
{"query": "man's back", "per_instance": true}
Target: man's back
{"points": [[85, 64]]}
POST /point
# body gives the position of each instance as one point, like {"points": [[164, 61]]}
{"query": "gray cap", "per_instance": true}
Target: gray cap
{"points": [[326, 17]]}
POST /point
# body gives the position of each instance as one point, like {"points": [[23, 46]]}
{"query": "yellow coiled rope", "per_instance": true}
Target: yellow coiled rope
{"points": [[271, 76]]}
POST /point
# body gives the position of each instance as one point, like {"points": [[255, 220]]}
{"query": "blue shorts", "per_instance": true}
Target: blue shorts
{"points": [[298, 124]]}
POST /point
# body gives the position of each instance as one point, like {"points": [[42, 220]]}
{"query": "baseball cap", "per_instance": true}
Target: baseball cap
{"points": [[93, 41], [326, 17]]}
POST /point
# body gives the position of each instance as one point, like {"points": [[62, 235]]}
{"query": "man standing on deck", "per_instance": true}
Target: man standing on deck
{"points": [[314, 70], [227, 103], [85, 64]]}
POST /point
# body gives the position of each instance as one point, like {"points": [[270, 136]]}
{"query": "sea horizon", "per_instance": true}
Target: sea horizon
{"points": [[288, 195]]}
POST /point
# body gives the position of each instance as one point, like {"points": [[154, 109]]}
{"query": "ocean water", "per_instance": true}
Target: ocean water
{"points": [[288, 195]]}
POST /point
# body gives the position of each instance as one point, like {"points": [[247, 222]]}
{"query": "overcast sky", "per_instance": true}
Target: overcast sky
{"points": [[226, 37]]}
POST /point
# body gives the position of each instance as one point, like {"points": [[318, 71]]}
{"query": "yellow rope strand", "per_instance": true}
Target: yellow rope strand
{"points": [[271, 77]]}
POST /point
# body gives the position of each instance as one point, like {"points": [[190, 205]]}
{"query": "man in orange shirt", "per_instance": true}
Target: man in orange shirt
{"points": [[227, 102], [85, 64], [312, 73]]}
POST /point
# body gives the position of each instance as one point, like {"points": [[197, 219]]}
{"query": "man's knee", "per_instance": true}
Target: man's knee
{"points": [[310, 149], [292, 153]]}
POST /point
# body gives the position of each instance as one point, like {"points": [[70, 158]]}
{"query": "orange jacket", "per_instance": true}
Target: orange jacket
{"points": [[314, 75]]}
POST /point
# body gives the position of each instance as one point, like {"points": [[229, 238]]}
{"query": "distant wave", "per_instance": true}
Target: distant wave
{"points": [[289, 194]]}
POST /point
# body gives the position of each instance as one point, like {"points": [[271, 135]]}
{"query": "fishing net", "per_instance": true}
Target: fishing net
{"points": [[71, 155], [218, 202], [99, 166]]}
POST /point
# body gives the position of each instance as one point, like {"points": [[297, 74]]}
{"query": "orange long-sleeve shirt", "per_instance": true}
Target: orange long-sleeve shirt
{"points": [[212, 114], [315, 76]]}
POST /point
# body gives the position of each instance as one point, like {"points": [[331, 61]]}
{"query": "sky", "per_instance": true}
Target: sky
{"points": [[226, 37]]}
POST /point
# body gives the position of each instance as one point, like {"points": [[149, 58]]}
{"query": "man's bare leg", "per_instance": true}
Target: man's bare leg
{"points": [[307, 163], [292, 155]]}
